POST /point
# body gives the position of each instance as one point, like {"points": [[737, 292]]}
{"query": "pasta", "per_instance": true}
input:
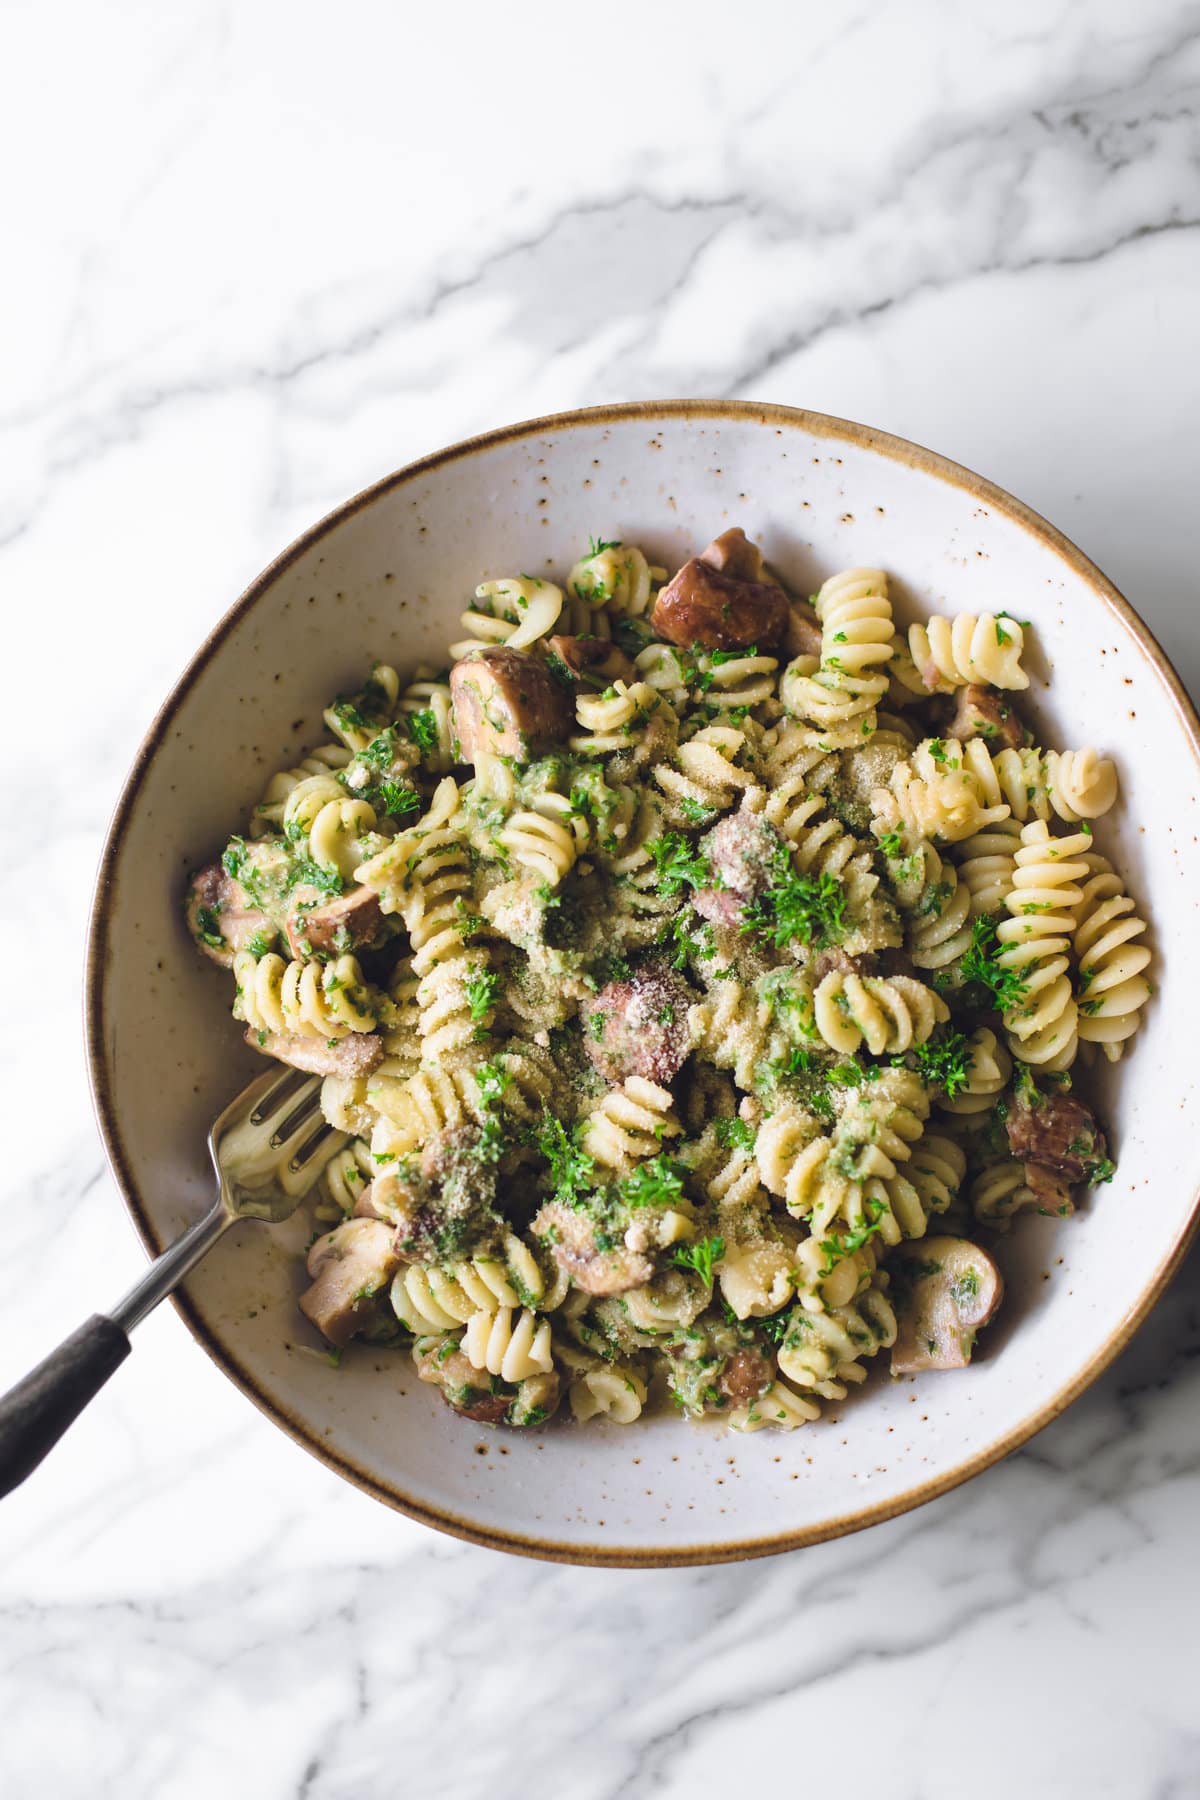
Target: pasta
{"points": [[675, 1004], [944, 654]]}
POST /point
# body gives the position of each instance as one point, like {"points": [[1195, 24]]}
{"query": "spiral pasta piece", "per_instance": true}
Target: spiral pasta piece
{"points": [[944, 805], [455, 1091], [856, 643], [1111, 985], [359, 719], [755, 1278], [617, 718], [888, 1016], [988, 864], [546, 837], [616, 577], [1042, 1026], [940, 926], [510, 1346], [630, 1123], [336, 834], [605, 1390], [987, 1076], [314, 1000], [736, 679], [945, 654], [515, 611], [709, 774], [824, 1352], [780, 1405], [441, 1299], [1034, 783], [322, 764]]}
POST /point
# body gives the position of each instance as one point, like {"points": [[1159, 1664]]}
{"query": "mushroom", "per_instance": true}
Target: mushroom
{"points": [[507, 703], [953, 1289]]}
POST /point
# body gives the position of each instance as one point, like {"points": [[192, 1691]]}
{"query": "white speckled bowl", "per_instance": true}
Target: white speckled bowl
{"points": [[387, 575]]}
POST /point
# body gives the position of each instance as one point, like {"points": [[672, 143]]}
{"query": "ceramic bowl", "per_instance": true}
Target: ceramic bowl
{"points": [[387, 575]]}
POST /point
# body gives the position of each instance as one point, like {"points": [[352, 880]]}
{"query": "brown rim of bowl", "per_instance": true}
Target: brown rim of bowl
{"points": [[711, 411]]}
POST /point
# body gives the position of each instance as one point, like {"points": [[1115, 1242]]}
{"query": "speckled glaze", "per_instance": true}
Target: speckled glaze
{"points": [[387, 576]]}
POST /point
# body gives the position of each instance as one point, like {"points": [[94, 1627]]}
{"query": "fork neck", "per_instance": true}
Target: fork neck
{"points": [[168, 1270]]}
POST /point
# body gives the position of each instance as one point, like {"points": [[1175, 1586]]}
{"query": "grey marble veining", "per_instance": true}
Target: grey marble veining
{"points": [[256, 258]]}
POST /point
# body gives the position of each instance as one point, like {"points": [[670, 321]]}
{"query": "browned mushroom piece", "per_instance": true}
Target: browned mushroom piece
{"points": [[1059, 1132], [803, 630], [221, 916], [639, 1026], [350, 922], [734, 554], [351, 1267], [507, 703], [745, 1376], [743, 851], [701, 606], [986, 713], [467, 1389], [1052, 1193], [826, 962], [591, 661], [570, 1238], [951, 1290], [475, 1395], [357, 1054]]}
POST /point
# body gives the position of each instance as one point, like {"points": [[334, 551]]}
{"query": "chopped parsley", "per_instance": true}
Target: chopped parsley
{"points": [[208, 927], [735, 1134], [658, 1182], [395, 799], [571, 1168], [943, 1061], [701, 1257], [422, 728], [980, 963], [679, 864], [695, 811], [481, 990], [796, 908], [891, 844]]}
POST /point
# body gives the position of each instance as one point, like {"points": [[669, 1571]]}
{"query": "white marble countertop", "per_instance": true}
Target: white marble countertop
{"points": [[258, 256]]}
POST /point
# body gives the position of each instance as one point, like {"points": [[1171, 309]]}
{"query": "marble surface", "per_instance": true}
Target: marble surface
{"points": [[258, 256]]}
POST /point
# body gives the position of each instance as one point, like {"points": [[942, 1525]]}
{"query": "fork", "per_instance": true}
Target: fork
{"points": [[267, 1147]]}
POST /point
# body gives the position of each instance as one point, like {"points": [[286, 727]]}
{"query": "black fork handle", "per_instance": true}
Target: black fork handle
{"points": [[35, 1413]]}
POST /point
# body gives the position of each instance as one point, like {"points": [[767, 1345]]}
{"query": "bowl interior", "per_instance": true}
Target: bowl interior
{"points": [[388, 577]]}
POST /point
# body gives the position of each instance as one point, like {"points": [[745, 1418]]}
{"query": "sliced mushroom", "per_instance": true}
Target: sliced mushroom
{"points": [[507, 703], [733, 554], [347, 923], [570, 1238], [743, 852], [986, 713], [639, 1026], [478, 1396], [1058, 1131], [591, 661], [351, 1267], [803, 630], [702, 606], [351, 1056], [745, 1376], [953, 1289], [221, 916]]}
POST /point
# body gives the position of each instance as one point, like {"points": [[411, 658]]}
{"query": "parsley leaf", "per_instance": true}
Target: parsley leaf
{"points": [[679, 865], [1007, 987], [701, 1257], [658, 1182], [735, 1134], [804, 909], [571, 1168], [943, 1061], [481, 990]]}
